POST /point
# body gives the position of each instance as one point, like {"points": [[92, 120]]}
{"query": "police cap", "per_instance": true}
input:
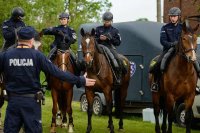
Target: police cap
{"points": [[64, 15], [107, 16], [174, 11], [26, 33], [17, 12]]}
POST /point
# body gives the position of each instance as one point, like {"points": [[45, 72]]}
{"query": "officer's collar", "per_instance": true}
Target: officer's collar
{"points": [[64, 26], [107, 27], [23, 46]]}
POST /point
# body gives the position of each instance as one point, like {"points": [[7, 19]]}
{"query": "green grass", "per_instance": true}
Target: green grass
{"points": [[132, 124]]}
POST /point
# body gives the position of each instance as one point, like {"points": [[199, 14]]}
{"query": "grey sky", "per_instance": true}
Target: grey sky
{"points": [[131, 10]]}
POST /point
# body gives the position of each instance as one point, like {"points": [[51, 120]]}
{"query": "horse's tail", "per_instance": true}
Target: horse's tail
{"points": [[117, 99]]}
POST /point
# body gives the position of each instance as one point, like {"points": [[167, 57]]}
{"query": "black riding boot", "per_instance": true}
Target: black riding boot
{"points": [[76, 64], [197, 68], [155, 70], [119, 72], [52, 54], [119, 76]]}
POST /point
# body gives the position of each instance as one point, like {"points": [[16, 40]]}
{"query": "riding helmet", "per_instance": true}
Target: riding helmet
{"points": [[17, 12], [107, 16], [64, 15], [174, 11]]}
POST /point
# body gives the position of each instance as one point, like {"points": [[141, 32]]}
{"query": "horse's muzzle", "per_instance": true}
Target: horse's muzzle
{"points": [[89, 64], [191, 59]]}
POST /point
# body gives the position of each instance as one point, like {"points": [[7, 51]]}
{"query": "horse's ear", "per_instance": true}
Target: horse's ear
{"points": [[196, 28], [93, 32], [82, 32], [184, 28]]}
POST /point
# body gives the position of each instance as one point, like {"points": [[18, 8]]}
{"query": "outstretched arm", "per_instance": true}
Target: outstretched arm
{"points": [[49, 67]]}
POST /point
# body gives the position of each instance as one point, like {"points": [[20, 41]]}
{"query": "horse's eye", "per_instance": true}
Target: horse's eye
{"points": [[184, 38]]}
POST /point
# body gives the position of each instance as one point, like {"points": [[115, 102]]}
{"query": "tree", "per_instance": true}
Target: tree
{"points": [[44, 13]]}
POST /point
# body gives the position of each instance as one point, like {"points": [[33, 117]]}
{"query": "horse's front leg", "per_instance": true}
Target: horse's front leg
{"points": [[69, 110], [90, 99], [170, 104], [164, 124], [109, 106], [54, 111], [121, 96], [156, 114], [156, 109], [188, 110], [188, 120]]}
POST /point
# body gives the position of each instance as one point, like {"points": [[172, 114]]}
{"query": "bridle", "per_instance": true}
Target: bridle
{"points": [[183, 51], [90, 52], [63, 64]]}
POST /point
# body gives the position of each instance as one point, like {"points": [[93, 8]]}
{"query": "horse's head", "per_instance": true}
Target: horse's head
{"points": [[188, 44], [62, 59], [88, 46]]}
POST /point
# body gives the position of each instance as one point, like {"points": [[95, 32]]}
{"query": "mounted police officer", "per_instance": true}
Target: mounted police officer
{"points": [[21, 67], [64, 36], [169, 37], [109, 36], [9, 27]]}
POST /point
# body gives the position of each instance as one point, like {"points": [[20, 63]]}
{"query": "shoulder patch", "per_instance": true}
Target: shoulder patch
{"points": [[4, 27], [74, 35]]}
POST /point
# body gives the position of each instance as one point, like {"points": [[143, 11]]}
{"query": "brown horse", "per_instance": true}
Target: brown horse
{"points": [[62, 92], [97, 67], [178, 82]]}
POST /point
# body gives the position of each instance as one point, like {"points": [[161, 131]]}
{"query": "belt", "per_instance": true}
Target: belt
{"points": [[11, 94]]}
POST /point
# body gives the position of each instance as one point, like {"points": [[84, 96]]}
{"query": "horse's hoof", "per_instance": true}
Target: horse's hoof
{"points": [[120, 130], [70, 128], [112, 132], [58, 122], [64, 125], [52, 130]]}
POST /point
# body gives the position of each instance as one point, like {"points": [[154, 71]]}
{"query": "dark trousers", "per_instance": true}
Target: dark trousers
{"points": [[156, 67], [23, 111], [115, 54]]}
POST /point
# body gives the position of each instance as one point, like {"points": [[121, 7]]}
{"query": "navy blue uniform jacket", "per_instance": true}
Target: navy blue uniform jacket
{"points": [[22, 67], [9, 28], [170, 33], [69, 33], [102, 30]]}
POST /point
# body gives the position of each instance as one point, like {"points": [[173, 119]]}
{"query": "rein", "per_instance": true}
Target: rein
{"points": [[182, 51], [96, 50], [63, 60]]}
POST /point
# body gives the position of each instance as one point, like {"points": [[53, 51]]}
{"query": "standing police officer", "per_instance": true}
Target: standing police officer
{"points": [[9, 27], [21, 67], [109, 36]]}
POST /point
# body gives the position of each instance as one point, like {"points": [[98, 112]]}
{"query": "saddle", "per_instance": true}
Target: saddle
{"points": [[111, 59], [157, 66], [160, 63]]}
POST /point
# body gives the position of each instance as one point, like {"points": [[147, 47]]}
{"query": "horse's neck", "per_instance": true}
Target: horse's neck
{"points": [[182, 64], [96, 63], [97, 59]]}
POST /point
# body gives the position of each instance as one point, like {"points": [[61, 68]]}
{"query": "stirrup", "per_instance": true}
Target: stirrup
{"points": [[197, 90], [154, 87]]}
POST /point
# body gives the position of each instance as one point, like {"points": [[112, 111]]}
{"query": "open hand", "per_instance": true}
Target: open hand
{"points": [[89, 82]]}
